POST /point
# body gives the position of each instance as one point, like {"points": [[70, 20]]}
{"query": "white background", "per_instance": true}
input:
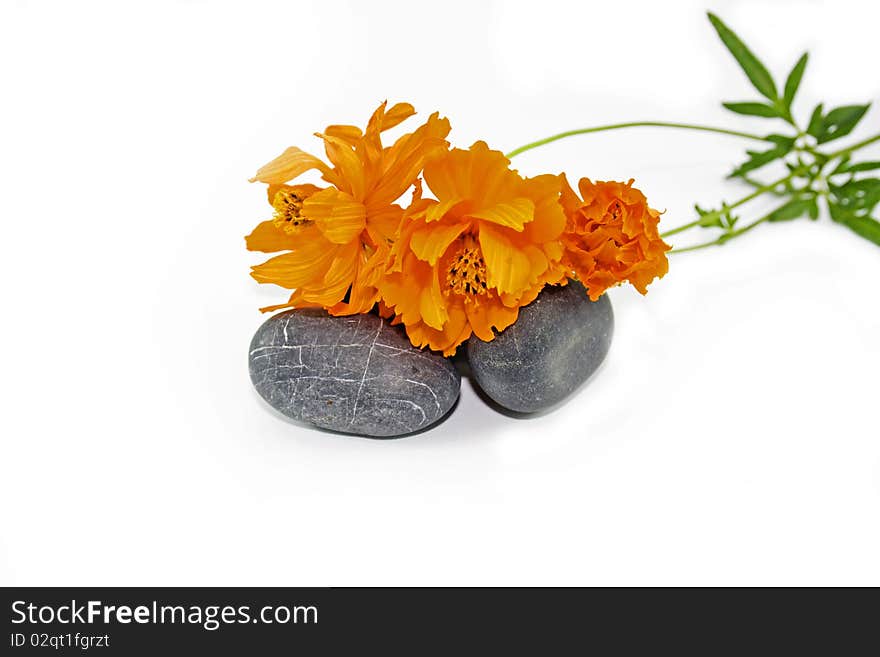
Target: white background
{"points": [[730, 438]]}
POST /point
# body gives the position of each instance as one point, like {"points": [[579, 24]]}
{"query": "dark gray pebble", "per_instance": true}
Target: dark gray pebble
{"points": [[355, 374], [557, 342]]}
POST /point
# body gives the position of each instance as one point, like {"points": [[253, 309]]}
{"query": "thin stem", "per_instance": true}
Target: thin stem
{"points": [[716, 213], [726, 237], [695, 222], [694, 247], [633, 124], [854, 147]]}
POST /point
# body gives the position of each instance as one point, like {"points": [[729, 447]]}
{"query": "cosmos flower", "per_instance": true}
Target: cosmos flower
{"points": [[336, 239], [466, 261]]}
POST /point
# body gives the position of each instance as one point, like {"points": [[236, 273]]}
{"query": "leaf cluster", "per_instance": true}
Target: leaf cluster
{"points": [[847, 189]]}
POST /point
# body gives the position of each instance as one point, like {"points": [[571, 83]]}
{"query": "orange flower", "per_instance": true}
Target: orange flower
{"points": [[611, 236], [467, 261], [337, 238]]}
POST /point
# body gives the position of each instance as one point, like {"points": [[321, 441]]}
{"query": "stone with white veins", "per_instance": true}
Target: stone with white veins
{"points": [[356, 374], [557, 342]]}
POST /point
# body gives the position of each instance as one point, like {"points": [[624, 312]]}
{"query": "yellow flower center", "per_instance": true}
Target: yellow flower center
{"points": [[288, 211], [467, 272]]}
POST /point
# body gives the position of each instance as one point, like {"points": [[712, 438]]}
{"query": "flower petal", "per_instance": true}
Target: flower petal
{"points": [[405, 160], [515, 213], [483, 316], [337, 279], [431, 305], [479, 174], [439, 209], [453, 333], [306, 263], [402, 290], [384, 221], [287, 166], [267, 237], [338, 216], [398, 113], [350, 167], [431, 241], [350, 134], [508, 269]]}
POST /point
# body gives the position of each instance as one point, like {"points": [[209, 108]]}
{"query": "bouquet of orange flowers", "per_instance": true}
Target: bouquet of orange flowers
{"points": [[452, 243], [461, 262]]}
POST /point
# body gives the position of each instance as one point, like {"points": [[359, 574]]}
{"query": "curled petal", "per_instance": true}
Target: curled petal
{"points": [[350, 134], [398, 113], [346, 160], [291, 163]]}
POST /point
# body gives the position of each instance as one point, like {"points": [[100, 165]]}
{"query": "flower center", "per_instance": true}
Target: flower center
{"points": [[467, 272], [616, 211], [288, 211]]}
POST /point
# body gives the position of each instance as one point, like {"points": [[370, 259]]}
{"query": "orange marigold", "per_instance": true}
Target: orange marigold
{"points": [[611, 236], [337, 238], [467, 261]]}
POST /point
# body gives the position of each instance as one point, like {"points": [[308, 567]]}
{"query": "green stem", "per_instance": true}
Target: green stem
{"points": [[633, 124], [854, 147], [696, 222], [717, 213], [724, 238]]}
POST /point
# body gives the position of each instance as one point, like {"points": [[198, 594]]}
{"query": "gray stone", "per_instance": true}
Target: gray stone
{"points": [[351, 374], [557, 342]]}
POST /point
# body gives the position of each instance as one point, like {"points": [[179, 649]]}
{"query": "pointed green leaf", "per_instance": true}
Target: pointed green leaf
{"points": [[842, 166], [860, 166], [752, 66], [867, 227], [792, 210], [758, 159], [814, 129], [757, 184], [853, 199], [793, 81], [841, 121], [753, 109], [782, 140]]}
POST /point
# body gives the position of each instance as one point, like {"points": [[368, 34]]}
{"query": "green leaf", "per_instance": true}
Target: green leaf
{"points": [[794, 209], [782, 140], [860, 166], [866, 227], [752, 66], [779, 190], [753, 109], [845, 166], [841, 121], [841, 167], [814, 129], [793, 81], [708, 217], [853, 199], [758, 159]]}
